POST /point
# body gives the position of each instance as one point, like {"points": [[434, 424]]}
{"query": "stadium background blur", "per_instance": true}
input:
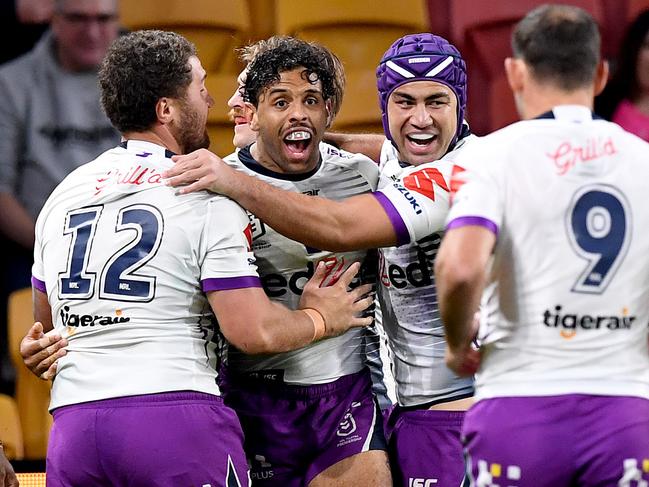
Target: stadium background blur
{"points": [[358, 31]]}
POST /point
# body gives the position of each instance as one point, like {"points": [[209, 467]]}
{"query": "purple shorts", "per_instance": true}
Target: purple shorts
{"points": [[572, 440], [425, 448], [293, 433], [169, 440]]}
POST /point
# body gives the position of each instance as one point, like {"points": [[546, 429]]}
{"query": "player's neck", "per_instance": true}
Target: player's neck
{"points": [[540, 99], [162, 139]]}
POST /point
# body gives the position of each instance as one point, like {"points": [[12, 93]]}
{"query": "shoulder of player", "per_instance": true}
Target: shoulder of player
{"points": [[232, 159], [332, 156]]}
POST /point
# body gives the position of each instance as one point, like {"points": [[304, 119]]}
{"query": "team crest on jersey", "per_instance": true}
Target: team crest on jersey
{"points": [[422, 182]]}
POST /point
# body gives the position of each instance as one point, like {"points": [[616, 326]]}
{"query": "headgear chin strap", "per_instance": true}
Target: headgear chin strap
{"points": [[421, 57]]}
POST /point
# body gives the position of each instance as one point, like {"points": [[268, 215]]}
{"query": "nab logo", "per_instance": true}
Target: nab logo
{"points": [[421, 482], [422, 182]]}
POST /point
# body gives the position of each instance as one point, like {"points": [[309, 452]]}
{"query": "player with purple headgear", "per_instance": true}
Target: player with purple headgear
{"points": [[422, 88]]}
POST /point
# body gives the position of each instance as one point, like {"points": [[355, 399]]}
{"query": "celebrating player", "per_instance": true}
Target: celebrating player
{"points": [[548, 225], [128, 271], [291, 84], [422, 87]]}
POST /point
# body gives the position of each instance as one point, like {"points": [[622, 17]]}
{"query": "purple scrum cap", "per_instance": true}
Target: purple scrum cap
{"points": [[421, 57]]}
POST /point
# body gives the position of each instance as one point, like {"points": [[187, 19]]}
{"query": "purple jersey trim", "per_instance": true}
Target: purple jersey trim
{"points": [[403, 237], [480, 221], [225, 283], [40, 285]]}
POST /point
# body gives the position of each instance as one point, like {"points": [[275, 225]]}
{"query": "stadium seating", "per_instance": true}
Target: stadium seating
{"points": [[220, 127], [262, 18], [360, 109], [10, 430], [482, 32], [357, 32], [36, 479], [32, 394], [216, 27]]}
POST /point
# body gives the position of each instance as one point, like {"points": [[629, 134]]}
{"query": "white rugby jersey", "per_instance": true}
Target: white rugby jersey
{"points": [[566, 306], [286, 265], [408, 308], [125, 263]]}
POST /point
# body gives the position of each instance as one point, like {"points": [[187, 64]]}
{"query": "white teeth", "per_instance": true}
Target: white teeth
{"points": [[421, 136], [299, 135]]}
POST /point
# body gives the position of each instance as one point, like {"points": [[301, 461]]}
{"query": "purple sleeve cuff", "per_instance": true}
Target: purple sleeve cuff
{"points": [[464, 221], [403, 237], [226, 283], [40, 285]]}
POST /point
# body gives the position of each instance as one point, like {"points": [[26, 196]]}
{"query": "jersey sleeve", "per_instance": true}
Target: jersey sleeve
{"points": [[227, 240], [477, 190], [38, 268], [417, 204]]}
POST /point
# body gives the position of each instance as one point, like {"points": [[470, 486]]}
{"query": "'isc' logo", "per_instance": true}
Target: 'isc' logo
{"points": [[421, 482]]}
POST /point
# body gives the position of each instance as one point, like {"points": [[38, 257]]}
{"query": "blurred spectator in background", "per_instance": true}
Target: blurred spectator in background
{"points": [[23, 21], [625, 100], [51, 123]]}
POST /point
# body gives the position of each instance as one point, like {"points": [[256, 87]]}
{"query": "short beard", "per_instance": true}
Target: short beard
{"points": [[188, 137]]}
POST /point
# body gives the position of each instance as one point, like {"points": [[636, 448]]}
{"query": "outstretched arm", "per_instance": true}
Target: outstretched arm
{"points": [[355, 223], [367, 144], [460, 273]]}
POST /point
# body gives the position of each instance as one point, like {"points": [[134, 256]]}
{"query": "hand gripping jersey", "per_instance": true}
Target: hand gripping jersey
{"points": [[566, 306], [125, 263], [286, 265], [408, 298]]}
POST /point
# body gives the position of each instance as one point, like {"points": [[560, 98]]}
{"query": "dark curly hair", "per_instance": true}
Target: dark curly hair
{"points": [[138, 70], [288, 54]]}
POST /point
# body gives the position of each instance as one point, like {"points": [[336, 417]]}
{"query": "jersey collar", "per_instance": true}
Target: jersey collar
{"points": [[245, 156], [570, 113], [143, 149]]}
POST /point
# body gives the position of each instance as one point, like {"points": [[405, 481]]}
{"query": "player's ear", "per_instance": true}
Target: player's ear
{"points": [[601, 77], [164, 110], [251, 115], [330, 117], [515, 71]]}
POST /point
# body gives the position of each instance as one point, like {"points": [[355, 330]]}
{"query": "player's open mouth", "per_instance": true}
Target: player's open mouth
{"points": [[421, 139], [297, 141]]}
